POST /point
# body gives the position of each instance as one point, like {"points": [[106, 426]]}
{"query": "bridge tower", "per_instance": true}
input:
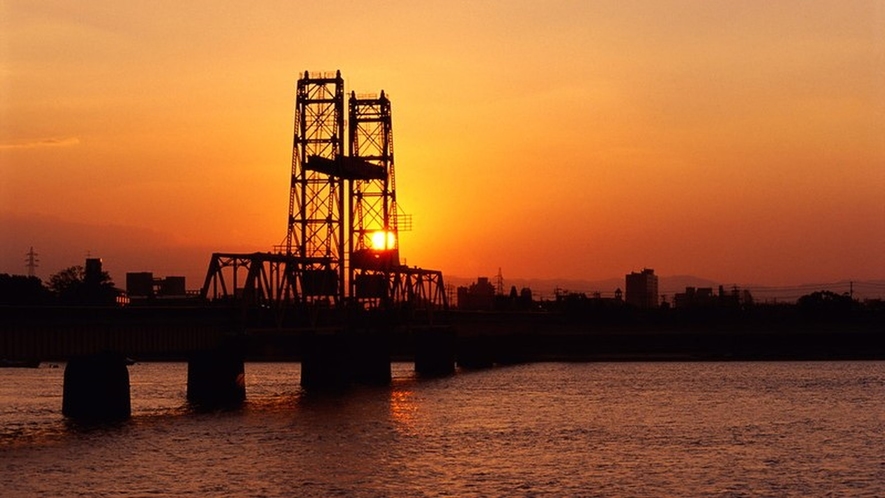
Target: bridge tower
{"points": [[374, 233], [316, 202]]}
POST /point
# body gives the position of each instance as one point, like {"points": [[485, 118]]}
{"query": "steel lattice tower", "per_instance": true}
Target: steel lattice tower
{"points": [[374, 235], [316, 203], [32, 262]]}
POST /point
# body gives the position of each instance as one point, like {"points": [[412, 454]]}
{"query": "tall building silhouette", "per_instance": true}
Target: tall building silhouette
{"points": [[642, 289]]}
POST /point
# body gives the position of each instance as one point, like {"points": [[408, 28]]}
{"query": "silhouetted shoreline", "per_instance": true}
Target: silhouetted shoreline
{"points": [[763, 333]]}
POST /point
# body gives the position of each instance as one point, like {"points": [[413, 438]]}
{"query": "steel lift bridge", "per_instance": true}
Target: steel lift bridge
{"points": [[341, 250]]}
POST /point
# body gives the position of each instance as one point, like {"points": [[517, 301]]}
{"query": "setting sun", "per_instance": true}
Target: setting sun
{"points": [[383, 240]]}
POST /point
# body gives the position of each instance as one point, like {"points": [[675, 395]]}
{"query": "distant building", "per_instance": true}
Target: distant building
{"points": [[143, 285], [479, 296], [705, 296], [692, 296], [642, 289], [97, 287], [172, 286], [92, 274], [140, 284], [516, 300]]}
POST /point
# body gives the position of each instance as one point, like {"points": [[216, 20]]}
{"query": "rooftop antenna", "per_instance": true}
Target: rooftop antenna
{"points": [[32, 262]]}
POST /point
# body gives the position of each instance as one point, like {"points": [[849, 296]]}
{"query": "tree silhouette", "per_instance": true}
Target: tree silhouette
{"points": [[19, 289], [826, 305], [71, 286]]}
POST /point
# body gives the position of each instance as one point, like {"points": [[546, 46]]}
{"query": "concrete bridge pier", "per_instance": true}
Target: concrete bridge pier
{"points": [[370, 356], [476, 352], [333, 359], [325, 360], [434, 351], [96, 388], [216, 378]]}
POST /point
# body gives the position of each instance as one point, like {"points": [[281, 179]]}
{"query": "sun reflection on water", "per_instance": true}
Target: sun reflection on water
{"points": [[403, 409]]}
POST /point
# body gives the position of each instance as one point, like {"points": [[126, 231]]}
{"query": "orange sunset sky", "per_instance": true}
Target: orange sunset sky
{"points": [[740, 141]]}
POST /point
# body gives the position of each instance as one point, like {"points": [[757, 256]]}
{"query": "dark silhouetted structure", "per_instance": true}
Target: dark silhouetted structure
{"points": [[480, 295], [699, 297], [340, 258], [694, 296], [642, 289], [143, 285], [93, 274], [85, 285], [342, 239]]}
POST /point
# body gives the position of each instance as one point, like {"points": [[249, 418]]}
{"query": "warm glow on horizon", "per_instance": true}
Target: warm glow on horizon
{"points": [[740, 142]]}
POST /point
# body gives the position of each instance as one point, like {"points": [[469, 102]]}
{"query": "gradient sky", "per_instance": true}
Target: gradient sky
{"points": [[740, 141]]}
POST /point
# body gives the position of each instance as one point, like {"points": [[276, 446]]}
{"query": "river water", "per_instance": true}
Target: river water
{"points": [[545, 429]]}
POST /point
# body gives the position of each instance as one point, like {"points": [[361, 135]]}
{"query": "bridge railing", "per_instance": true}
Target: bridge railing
{"points": [[55, 333]]}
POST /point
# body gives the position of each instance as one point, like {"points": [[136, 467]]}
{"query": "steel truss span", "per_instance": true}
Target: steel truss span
{"points": [[271, 281]]}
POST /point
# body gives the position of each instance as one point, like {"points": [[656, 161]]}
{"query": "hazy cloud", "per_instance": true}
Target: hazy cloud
{"points": [[45, 142]]}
